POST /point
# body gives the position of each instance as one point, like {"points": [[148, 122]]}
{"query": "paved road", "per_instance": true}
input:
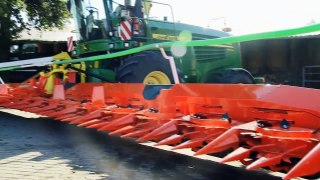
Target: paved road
{"points": [[47, 149]]}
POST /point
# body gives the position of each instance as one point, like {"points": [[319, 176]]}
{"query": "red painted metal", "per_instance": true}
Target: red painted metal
{"points": [[271, 126]]}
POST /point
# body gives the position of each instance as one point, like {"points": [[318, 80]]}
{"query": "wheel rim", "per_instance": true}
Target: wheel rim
{"points": [[156, 77]]}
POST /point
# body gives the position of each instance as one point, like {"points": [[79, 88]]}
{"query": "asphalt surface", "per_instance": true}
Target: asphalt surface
{"points": [[47, 149]]}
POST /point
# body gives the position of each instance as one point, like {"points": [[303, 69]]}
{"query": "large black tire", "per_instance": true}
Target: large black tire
{"points": [[230, 76], [236, 76], [135, 68]]}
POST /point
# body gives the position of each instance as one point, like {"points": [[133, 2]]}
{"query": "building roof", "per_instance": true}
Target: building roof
{"points": [[52, 35]]}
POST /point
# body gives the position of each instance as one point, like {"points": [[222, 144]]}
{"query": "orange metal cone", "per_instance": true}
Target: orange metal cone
{"points": [[118, 123], [31, 109], [47, 112], [46, 108], [238, 154], [4, 99], [227, 140], [58, 92], [308, 165], [124, 130], [98, 96], [69, 117], [190, 144], [98, 125], [69, 110], [174, 139], [65, 117], [242, 153], [90, 122], [87, 117], [264, 162], [32, 105], [4, 89], [6, 103], [20, 106], [15, 105], [272, 159], [138, 133], [196, 141], [51, 113], [168, 128]]}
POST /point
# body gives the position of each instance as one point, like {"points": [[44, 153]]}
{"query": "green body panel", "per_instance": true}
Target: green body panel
{"points": [[198, 61], [100, 72]]}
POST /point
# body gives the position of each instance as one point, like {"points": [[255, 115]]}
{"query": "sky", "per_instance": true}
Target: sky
{"points": [[247, 16]]}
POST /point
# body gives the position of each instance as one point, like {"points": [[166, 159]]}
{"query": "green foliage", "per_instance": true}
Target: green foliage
{"points": [[47, 14], [17, 15]]}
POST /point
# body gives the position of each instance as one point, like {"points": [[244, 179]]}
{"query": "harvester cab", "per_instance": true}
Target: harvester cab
{"points": [[98, 20], [116, 24]]}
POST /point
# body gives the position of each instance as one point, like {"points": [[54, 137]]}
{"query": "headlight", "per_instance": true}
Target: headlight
{"points": [[126, 44], [111, 46]]}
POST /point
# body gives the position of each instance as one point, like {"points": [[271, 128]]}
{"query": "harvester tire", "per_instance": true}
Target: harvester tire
{"points": [[137, 67], [230, 76], [237, 76]]}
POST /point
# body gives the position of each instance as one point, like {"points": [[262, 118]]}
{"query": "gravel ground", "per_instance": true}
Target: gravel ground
{"points": [[40, 148]]}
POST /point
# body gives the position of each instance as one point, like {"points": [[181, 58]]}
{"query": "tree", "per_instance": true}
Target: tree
{"points": [[19, 15]]}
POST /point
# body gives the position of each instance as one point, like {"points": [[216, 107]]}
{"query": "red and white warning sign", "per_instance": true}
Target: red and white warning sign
{"points": [[70, 44], [125, 30]]}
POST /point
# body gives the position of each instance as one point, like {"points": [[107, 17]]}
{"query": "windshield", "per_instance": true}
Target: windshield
{"points": [[90, 18], [160, 11], [93, 18]]}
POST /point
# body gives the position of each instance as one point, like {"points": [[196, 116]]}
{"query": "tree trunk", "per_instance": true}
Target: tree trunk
{"points": [[4, 49], [5, 38]]}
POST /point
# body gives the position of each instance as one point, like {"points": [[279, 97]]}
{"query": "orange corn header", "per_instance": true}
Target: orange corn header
{"points": [[267, 126]]}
